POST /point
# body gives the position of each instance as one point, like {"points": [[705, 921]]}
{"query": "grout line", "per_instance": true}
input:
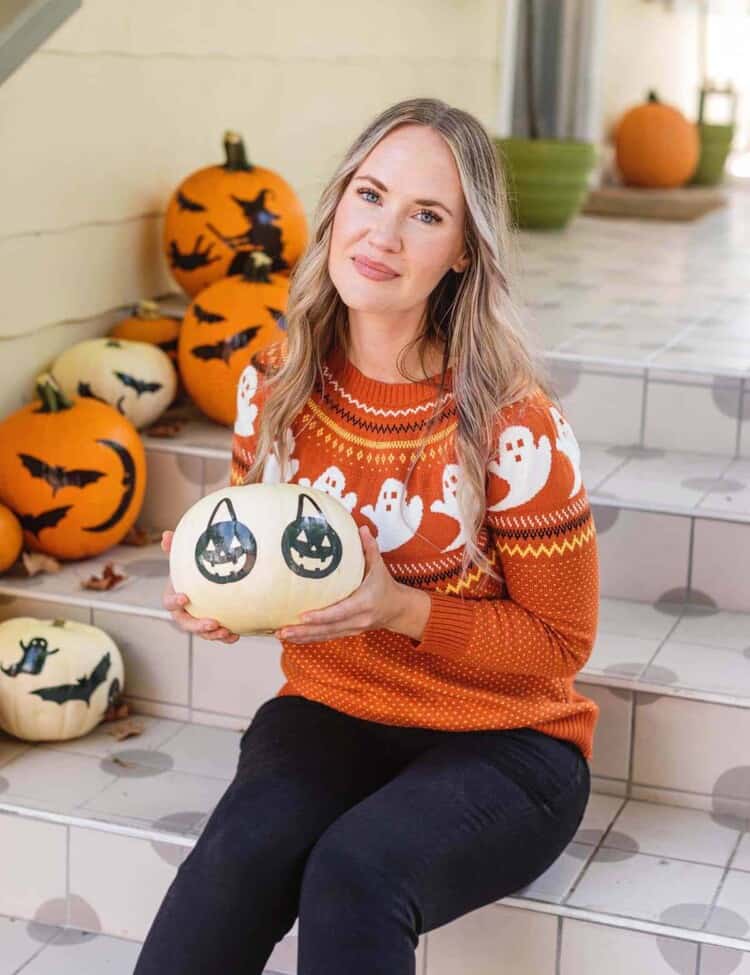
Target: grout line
{"points": [[255, 57]]}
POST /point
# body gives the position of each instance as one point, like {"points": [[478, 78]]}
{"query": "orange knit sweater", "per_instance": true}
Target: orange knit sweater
{"points": [[491, 655]]}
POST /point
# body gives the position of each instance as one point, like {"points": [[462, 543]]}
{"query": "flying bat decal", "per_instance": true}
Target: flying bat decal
{"points": [[84, 389], [224, 349], [185, 203], [58, 476], [278, 317], [82, 689], [47, 519], [139, 385], [207, 317]]}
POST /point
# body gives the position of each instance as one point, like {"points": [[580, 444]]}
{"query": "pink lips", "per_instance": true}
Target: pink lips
{"points": [[368, 271]]}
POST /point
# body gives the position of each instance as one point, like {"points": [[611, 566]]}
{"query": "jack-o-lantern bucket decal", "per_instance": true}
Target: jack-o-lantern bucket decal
{"points": [[218, 214], [310, 545], [283, 547], [226, 550]]}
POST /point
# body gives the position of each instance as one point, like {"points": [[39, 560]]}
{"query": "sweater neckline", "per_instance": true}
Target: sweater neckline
{"points": [[371, 390]]}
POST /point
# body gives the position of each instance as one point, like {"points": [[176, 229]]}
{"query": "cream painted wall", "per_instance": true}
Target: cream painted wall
{"points": [[125, 99], [647, 45]]}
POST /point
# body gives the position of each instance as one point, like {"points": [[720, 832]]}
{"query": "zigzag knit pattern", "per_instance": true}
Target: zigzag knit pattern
{"points": [[493, 654]]}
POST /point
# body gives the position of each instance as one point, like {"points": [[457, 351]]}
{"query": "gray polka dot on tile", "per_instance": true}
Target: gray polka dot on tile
{"points": [[660, 675], [604, 516], [671, 602], [622, 842], [564, 378], [745, 654], [700, 604], [136, 763], [625, 669], [191, 468], [148, 568], [728, 922], [607, 854], [715, 485], [171, 853], [734, 784], [70, 937], [687, 915], [726, 396], [718, 960], [52, 911], [3, 784], [83, 915], [678, 954]]}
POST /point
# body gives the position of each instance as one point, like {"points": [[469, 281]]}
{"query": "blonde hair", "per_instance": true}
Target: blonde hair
{"points": [[471, 314]]}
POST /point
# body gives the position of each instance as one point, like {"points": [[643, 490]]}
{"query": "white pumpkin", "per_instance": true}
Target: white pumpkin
{"points": [[137, 378], [254, 556], [57, 677]]}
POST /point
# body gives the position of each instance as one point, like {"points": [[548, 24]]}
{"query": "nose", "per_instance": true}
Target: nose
{"points": [[384, 233]]}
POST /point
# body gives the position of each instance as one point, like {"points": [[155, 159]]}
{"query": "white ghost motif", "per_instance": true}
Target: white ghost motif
{"points": [[523, 465], [247, 387], [567, 443], [332, 481], [448, 504], [394, 528], [271, 470]]}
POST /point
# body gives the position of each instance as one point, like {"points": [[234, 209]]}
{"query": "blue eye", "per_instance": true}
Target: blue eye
{"points": [[436, 219]]}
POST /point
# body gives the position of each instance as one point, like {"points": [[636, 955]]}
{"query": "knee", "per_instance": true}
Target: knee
{"points": [[341, 866]]}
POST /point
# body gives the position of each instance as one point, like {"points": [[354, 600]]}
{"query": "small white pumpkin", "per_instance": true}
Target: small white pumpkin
{"points": [[137, 378], [254, 556], [57, 678]]}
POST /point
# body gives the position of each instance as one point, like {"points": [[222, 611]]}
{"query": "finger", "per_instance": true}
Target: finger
{"points": [[175, 600], [309, 633], [166, 540]]}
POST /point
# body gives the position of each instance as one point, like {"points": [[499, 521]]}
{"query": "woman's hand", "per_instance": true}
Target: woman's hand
{"points": [[174, 601], [375, 603]]}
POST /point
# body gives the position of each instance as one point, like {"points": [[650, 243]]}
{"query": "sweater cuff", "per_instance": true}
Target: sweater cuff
{"points": [[449, 626]]}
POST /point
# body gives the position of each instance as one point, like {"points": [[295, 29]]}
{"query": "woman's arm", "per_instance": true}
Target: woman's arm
{"points": [[546, 548]]}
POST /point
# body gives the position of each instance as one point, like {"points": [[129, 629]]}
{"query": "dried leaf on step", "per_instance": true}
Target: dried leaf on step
{"points": [[123, 761], [141, 536], [35, 562], [166, 428], [116, 711], [109, 578], [126, 729]]}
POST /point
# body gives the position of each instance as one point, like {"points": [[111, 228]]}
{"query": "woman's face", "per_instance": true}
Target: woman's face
{"points": [[403, 208]]}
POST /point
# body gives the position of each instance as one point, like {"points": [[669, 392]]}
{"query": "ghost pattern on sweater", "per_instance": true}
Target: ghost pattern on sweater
{"points": [[521, 462], [528, 636]]}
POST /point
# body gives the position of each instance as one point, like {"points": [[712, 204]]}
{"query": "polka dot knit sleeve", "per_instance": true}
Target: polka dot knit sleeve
{"points": [[544, 538]]}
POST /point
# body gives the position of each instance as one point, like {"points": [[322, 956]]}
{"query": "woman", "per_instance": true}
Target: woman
{"points": [[428, 753]]}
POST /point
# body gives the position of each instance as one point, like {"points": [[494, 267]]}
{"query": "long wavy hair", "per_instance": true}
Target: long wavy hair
{"points": [[471, 315]]}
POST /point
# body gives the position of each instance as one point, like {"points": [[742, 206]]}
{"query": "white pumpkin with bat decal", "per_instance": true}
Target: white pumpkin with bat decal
{"points": [[137, 378], [254, 556], [58, 678]]}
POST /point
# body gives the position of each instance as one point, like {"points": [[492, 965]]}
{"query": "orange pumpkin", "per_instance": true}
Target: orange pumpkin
{"points": [[74, 472], [147, 323], [223, 330], [219, 213], [11, 538], [656, 146]]}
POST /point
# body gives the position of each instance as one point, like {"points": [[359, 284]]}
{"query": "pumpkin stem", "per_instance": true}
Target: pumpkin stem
{"points": [[58, 622], [52, 397], [652, 96], [257, 267], [234, 148], [147, 309]]}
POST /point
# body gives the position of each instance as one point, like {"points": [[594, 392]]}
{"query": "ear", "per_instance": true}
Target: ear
{"points": [[461, 264]]}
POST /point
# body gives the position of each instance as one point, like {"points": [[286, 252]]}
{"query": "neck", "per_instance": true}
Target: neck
{"points": [[375, 352]]}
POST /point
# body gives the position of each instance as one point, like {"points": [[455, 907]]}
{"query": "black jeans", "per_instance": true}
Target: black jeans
{"points": [[370, 833]]}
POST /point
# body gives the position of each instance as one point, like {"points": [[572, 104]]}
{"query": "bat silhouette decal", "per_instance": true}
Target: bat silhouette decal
{"points": [[47, 519], [207, 317], [84, 389], [58, 476], [139, 385], [81, 690], [223, 350], [185, 203]]}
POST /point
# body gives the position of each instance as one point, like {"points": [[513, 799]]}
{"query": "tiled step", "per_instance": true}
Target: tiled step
{"points": [[658, 671], [85, 823], [33, 948], [682, 516]]}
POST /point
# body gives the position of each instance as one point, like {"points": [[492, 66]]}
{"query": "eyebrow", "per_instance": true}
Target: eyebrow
{"points": [[425, 203]]}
